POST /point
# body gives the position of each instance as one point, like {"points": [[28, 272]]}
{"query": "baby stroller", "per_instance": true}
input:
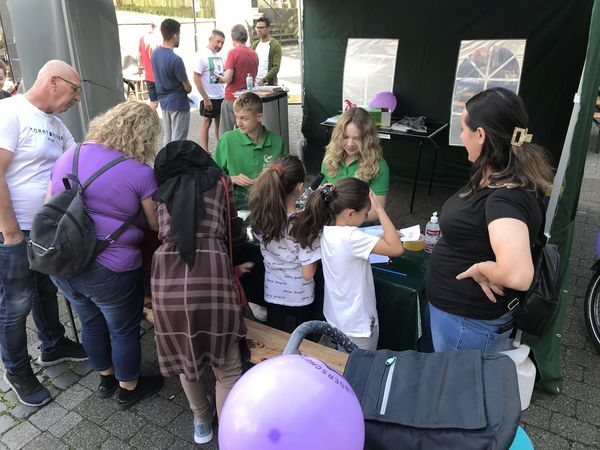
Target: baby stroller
{"points": [[410, 400]]}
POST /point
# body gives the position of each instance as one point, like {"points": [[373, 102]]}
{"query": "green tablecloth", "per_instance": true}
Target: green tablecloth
{"points": [[398, 287]]}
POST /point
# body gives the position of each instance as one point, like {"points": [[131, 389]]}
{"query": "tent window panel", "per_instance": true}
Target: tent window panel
{"points": [[368, 68], [483, 65]]}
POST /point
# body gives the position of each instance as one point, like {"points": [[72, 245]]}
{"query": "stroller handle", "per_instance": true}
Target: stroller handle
{"points": [[317, 326]]}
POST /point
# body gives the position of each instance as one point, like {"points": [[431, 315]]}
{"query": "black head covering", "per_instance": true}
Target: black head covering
{"points": [[184, 171]]}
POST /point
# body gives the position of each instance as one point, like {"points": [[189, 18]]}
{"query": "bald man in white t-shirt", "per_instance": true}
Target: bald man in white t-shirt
{"points": [[31, 139]]}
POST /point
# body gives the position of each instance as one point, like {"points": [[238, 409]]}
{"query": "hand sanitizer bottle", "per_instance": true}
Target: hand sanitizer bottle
{"points": [[432, 233]]}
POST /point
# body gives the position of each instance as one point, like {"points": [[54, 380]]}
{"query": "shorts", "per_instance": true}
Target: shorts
{"points": [[151, 88], [215, 111]]}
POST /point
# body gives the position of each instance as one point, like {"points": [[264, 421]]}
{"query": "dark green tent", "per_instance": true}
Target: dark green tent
{"points": [[561, 37]]}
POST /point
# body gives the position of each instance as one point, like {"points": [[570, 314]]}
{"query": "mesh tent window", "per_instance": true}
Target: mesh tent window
{"points": [[368, 68], [482, 65]]}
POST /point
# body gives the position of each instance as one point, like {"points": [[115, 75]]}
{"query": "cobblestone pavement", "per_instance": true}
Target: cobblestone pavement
{"points": [[78, 419]]}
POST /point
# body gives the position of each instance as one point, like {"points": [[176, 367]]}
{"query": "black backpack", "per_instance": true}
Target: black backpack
{"points": [[62, 240]]}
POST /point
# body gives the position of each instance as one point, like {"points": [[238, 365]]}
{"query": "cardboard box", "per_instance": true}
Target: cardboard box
{"points": [[382, 118]]}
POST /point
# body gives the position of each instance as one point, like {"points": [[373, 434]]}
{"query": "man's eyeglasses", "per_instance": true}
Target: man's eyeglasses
{"points": [[76, 87]]}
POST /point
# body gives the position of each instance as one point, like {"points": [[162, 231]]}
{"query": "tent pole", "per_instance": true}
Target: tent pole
{"points": [[301, 45], [564, 159]]}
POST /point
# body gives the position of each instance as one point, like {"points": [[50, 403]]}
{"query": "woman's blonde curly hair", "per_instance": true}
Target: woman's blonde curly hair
{"points": [[370, 152], [130, 127]]}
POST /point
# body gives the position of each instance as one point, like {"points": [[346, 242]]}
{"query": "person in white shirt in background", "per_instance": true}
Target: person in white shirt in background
{"points": [[209, 66], [269, 54]]}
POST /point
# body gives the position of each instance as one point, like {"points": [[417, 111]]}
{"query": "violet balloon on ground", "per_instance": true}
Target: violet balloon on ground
{"points": [[291, 402]]}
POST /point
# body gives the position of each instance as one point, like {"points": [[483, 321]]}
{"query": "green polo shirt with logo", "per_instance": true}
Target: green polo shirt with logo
{"points": [[236, 153], [380, 184]]}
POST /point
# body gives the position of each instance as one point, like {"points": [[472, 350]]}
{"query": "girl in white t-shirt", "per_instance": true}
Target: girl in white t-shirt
{"points": [[335, 213], [289, 268]]}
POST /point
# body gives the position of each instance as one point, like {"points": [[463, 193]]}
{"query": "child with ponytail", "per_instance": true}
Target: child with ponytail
{"points": [[334, 214], [289, 268]]}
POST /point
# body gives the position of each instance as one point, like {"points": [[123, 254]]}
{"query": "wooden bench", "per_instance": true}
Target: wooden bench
{"points": [[266, 342]]}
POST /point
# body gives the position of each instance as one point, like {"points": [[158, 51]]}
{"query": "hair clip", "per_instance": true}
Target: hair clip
{"points": [[327, 191], [277, 168], [519, 136]]}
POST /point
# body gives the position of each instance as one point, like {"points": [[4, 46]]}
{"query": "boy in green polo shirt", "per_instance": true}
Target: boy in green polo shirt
{"points": [[243, 153]]}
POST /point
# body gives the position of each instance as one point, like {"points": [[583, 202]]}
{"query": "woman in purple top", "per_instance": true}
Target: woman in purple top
{"points": [[108, 297]]}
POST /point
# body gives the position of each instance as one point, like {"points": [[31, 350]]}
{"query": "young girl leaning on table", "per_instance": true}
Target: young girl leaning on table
{"points": [[334, 213], [289, 268]]}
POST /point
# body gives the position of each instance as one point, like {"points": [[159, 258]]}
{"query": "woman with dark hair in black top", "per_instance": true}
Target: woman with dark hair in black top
{"points": [[488, 227]]}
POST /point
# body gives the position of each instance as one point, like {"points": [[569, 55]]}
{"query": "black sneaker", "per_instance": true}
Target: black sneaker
{"points": [[107, 387], [65, 350], [27, 387], [146, 387]]}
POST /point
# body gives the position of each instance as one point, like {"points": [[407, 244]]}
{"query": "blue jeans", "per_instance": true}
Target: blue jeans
{"points": [[22, 291], [450, 332], [109, 306]]}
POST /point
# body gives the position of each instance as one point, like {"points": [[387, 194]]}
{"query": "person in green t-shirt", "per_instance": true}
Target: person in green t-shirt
{"points": [[354, 151], [245, 152]]}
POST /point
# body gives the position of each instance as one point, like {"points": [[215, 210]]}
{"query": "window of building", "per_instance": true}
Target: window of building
{"points": [[483, 65], [368, 68]]}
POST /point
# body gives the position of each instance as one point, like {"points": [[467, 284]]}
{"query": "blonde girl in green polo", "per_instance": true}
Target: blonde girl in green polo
{"points": [[354, 151]]}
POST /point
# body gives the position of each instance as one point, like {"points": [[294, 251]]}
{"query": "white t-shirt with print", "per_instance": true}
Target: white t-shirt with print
{"points": [[284, 284], [349, 303], [262, 49], [208, 65], [37, 140]]}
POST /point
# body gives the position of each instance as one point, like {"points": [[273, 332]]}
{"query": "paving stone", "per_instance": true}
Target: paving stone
{"points": [[6, 422], [182, 426], [3, 407], [124, 424], [56, 370], [183, 445], [588, 413], [536, 416], [22, 411], [579, 446], [546, 440], [65, 380], [114, 444], [556, 403], [45, 441], [20, 435], [97, 409], [90, 381], [73, 396], [171, 387], [82, 368], [11, 397], [582, 391], [4, 387], [48, 415], [153, 437], [574, 429], [168, 410], [66, 424], [87, 433]]}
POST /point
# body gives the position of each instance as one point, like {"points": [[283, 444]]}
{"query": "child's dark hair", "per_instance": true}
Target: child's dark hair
{"points": [[324, 205], [268, 197]]}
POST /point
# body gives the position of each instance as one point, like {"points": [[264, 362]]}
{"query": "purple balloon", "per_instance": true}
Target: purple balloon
{"points": [[383, 99], [291, 402]]}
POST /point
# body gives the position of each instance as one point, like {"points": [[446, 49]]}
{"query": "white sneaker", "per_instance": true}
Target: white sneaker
{"points": [[259, 312]]}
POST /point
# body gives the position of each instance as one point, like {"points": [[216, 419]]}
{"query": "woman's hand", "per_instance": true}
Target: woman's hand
{"points": [[475, 272], [246, 267]]}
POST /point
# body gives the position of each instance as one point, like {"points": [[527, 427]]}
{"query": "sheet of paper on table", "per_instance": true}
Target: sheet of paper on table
{"points": [[408, 234]]}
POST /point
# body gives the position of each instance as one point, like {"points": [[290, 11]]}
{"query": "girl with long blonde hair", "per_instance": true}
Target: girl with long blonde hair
{"points": [[354, 151]]}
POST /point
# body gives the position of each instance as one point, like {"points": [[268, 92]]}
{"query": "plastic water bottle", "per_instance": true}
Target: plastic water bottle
{"points": [[432, 233], [249, 82]]}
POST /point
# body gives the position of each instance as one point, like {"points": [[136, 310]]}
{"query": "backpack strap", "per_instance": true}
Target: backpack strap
{"points": [[73, 176], [112, 237]]}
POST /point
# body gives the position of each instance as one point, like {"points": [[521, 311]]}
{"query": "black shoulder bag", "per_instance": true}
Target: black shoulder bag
{"points": [[534, 311]]}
